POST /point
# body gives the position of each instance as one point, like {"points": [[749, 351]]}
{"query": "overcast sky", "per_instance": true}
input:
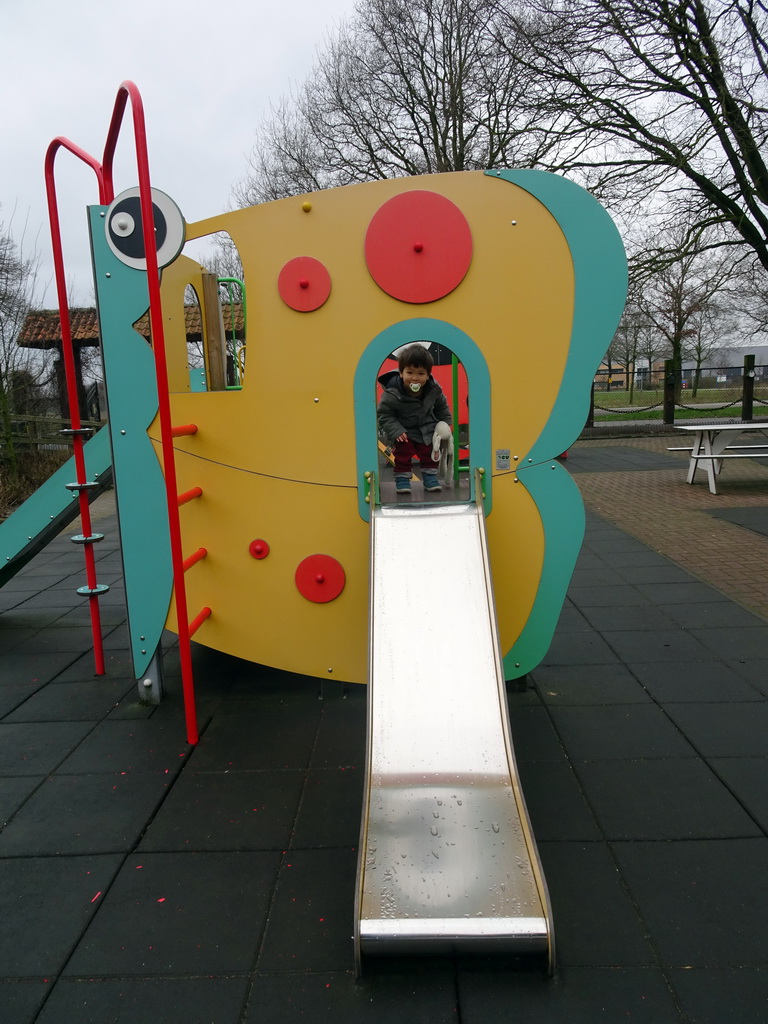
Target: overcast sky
{"points": [[206, 74]]}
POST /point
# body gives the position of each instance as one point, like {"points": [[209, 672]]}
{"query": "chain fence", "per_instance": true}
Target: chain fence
{"points": [[707, 390]]}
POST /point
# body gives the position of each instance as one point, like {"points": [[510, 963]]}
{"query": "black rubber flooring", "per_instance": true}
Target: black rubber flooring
{"points": [[146, 882], [755, 519]]}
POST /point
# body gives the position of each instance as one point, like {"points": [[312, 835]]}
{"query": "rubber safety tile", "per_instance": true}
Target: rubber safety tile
{"points": [[634, 647], [59, 818], [573, 996], [747, 779], [311, 920], [179, 913], [735, 642], [724, 730], [580, 649], [19, 668], [336, 998], [13, 792], [621, 731], [596, 924], [45, 904], [37, 748], [704, 902], [533, 735], [21, 1000], [611, 619], [588, 684], [729, 996], [678, 798], [280, 738], [716, 614], [702, 682], [90, 700], [156, 745], [331, 809], [617, 596], [141, 1000], [13, 696], [555, 802], [227, 811], [341, 735]]}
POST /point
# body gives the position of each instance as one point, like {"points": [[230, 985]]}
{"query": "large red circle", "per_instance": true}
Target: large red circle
{"points": [[418, 246], [304, 284], [320, 578]]}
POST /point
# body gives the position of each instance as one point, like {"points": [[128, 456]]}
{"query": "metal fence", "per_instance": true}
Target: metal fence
{"points": [[708, 390]]}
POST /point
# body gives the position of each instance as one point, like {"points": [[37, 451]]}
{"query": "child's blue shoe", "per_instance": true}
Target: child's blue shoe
{"points": [[430, 481], [403, 484]]}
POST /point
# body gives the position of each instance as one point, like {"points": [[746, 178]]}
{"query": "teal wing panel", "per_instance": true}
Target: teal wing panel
{"points": [[600, 287], [129, 371]]}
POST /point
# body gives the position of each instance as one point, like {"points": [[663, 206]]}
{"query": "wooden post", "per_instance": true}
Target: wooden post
{"points": [[214, 343], [669, 391], [748, 389]]}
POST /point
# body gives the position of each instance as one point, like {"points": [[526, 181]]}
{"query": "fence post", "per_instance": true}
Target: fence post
{"points": [[669, 391], [591, 414], [748, 389]]}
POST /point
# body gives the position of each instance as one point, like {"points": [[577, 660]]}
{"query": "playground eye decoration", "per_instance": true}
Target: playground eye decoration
{"points": [[125, 235]]}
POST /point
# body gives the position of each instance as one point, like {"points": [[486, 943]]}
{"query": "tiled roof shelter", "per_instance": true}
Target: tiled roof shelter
{"points": [[42, 328]]}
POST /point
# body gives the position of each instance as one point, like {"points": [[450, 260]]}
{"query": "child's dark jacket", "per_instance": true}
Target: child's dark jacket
{"points": [[401, 412]]}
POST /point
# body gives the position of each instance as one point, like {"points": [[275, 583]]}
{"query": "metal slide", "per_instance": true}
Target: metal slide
{"points": [[447, 857], [52, 507]]}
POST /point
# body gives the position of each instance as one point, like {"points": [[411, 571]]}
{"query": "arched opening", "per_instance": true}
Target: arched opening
{"points": [[446, 464], [443, 338]]}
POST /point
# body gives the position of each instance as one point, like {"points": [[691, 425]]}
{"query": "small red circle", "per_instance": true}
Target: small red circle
{"points": [[435, 263], [320, 578], [304, 284], [258, 548]]}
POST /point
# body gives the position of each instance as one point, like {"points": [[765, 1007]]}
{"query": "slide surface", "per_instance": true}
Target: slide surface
{"points": [[51, 508], [447, 858]]}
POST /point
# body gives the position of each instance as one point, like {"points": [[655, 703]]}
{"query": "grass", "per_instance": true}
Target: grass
{"points": [[642, 399]]}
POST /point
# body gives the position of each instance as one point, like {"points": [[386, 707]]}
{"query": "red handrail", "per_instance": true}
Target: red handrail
{"points": [[103, 171], [70, 373], [128, 91]]}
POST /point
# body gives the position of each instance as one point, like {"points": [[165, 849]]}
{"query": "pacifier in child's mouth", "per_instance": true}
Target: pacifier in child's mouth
{"points": [[415, 387]]}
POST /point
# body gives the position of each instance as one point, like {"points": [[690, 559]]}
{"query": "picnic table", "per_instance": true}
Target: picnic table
{"points": [[711, 446]]}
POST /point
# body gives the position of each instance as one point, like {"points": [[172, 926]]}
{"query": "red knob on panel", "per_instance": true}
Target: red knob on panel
{"points": [[258, 548]]}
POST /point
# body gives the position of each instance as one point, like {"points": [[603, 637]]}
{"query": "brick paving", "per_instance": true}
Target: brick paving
{"points": [[672, 517]]}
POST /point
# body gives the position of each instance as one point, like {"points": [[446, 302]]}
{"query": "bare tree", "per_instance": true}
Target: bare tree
{"points": [[406, 87], [686, 303], [21, 371], [634, 336], [657, 105]]}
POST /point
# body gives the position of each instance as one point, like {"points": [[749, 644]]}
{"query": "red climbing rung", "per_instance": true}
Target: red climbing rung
{"points": [[194, 558], [185, 428], [198, 620], [190, 495]]}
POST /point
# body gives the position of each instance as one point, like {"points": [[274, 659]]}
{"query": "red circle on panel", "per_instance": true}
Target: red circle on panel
{"points": [[320, 578], [418, 246], [259, 548], [304, 284]]}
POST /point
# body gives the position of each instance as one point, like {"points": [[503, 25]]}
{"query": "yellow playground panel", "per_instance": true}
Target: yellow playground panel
{"points": [[519, 273]]}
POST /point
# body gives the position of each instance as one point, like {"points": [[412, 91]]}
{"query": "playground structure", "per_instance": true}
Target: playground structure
{"points": [[258, 507]]}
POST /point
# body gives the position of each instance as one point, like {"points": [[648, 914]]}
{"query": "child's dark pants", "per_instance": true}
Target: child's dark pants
{"points": [[407, 450]]}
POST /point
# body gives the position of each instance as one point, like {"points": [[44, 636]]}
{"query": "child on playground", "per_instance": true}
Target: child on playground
{"points": [[411, 406]]}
